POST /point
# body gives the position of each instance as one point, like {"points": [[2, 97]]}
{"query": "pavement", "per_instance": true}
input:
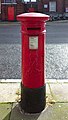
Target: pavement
{"points": [[56, 97]]}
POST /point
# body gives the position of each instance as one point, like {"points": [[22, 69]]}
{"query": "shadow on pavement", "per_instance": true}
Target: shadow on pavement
{"points": [[16, 114]]}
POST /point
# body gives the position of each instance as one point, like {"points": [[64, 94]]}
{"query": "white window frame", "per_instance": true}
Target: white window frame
{"points": [[29, 1], [26, 1], [66, 9], [52, 6], [33, 0], [45, 5]]}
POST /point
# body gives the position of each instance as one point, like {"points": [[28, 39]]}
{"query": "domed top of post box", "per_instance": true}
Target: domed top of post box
{"points": [[32, 17]]}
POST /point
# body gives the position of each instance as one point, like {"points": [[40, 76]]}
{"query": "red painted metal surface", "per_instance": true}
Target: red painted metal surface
{"points": [[31, 10], [33, 38], [10, 13]]}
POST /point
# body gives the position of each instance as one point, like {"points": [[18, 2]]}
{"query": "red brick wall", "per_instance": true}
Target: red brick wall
{"points": [[46, 9], [59, 3], [19, 8], [2, 1], [4, 13], [0, 16], [66, 5], [40, 7], [60, 6]]}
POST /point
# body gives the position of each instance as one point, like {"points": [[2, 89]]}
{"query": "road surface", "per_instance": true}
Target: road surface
{"points": [[56, 50]]}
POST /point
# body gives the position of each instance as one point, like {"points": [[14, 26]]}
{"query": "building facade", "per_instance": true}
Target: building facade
{"points": [[59, 6], [10, 8], [57, 9]]}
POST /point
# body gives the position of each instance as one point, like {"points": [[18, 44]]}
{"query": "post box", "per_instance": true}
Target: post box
{"points": [[33, 29]]}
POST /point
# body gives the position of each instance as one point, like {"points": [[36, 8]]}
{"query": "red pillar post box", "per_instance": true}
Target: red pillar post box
{"points": [[33, 29]]}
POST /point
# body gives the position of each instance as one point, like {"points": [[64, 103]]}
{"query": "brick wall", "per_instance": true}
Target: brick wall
{"points": [[40, 7], [19, 8], [59, 5], [66, 5], [4, 12]]}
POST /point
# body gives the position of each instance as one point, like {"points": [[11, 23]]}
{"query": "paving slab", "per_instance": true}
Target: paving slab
{"points": [[59, 92], [9, 92], [5, 111], [58, 111], [17, 114]]}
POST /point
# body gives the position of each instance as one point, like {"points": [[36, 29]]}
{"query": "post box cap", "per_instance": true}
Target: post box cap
{"points": [[32, 17]]}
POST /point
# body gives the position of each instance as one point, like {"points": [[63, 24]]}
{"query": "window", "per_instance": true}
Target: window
{"points": [[52, 6], [45, 6], [33, 0], [29, 0], [66, 9], [9, 1], [26, 0]]}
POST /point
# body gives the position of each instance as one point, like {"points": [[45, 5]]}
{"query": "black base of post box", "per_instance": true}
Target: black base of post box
{"points": [[33, 100]]}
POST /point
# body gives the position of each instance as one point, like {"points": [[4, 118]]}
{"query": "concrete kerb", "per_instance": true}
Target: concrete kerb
{"points": [[9, 23], [10, 80], [46, 80], [16, 22]]}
